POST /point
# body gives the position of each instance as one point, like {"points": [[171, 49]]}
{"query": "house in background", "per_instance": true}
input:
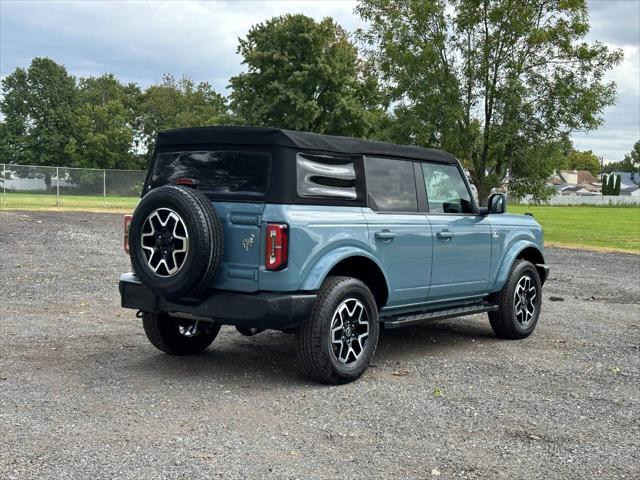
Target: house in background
{"points": [[629, 183], [628, 179], [576, 182]]}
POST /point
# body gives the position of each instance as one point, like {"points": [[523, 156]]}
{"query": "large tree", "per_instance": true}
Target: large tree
{"points": [[179, 103], [37, 105], [583, 160], [38, 108], [630, 162], [304, 75], [632, 159], [499, 83], [105, 123]]}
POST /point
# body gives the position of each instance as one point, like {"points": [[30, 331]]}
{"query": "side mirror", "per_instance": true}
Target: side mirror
{"points": [[497, 203]]}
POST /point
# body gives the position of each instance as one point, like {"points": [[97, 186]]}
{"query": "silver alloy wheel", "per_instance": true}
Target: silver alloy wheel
{"points": [[349, 331], [525, 300], [165, 242]]}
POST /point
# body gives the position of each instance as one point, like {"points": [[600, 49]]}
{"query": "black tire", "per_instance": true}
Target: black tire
{"points": [[317, 357], [163, 331], [505, 322], [204, 247]]}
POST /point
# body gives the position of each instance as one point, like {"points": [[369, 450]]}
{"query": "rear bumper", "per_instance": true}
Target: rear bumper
{"points": [[252, 310]]}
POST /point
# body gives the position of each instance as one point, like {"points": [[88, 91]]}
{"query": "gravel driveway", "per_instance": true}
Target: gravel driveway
{"points": [[84, 395]]}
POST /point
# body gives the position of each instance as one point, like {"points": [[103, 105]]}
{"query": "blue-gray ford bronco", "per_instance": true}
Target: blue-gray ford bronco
{"points": [[330, 238]]}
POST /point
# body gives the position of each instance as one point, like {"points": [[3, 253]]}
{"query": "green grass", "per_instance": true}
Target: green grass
{"points": [[613, 228], [41, 202]]}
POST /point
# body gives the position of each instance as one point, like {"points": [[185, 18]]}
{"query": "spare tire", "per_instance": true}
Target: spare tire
{"points": [[175, 241]]}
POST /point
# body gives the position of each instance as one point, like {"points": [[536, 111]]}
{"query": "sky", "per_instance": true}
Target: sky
{"points": [[139, 41]]}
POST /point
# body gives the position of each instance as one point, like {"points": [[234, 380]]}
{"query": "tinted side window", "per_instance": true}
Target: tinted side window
{"points": [[219, 171], [446, 190], [391, 185]]}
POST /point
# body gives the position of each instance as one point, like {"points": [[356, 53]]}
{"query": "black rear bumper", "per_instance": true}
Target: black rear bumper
{"points": [[252, 310]]}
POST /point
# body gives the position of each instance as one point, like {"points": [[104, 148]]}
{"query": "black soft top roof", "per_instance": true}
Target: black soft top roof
{"points": [[292, 139]]}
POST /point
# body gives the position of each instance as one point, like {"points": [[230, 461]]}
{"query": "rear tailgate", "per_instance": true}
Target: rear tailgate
{"points": [[241, 257]]}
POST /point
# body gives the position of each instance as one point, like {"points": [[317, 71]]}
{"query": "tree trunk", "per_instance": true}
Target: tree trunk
{"points": [[484, 189]]}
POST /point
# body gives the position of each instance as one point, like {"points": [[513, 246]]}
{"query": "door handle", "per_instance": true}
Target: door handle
{"points": [[445, 234], [386, 235]]}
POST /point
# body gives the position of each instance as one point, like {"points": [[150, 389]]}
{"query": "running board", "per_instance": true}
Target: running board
{"points": [[407, 320]]}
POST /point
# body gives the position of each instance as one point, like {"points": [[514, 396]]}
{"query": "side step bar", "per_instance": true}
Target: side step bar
{"points": [[418, 318]]}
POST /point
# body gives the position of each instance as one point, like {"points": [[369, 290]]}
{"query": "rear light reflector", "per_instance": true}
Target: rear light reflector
{"points": [[127, 226], [277, 246]]}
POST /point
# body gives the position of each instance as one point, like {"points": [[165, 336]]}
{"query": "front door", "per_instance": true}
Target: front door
{"points": [[461, 238]]}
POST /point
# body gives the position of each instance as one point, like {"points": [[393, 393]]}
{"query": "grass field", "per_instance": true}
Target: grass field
{"points": [[597, 228], [42, 202]]}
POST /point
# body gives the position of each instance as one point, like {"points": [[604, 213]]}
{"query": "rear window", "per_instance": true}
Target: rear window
{"points": [[219, 171]]}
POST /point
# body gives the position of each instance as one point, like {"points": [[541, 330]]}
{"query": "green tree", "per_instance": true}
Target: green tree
{"points": [[105, 124], [583, 160], [605, 185], [630, 162], [38, 108], [305, 75], [611, 185], [621, 166], [616, 188], [492, 81], [176, 104], [634, 155]]}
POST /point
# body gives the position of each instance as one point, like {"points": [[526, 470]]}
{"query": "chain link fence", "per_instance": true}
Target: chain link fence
{"points": [[33, 187]]}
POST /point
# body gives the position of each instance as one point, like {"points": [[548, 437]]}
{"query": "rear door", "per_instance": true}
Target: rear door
{"points": [[241, 223], [399, 236], [461, 237]]}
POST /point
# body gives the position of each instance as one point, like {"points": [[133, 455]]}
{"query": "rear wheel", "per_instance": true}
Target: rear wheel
{"points": [[519, 303], [178, 336], [336, 344]]}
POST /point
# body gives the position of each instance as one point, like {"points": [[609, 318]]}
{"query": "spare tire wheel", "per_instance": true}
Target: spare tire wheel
{"points": [[175, 241]]}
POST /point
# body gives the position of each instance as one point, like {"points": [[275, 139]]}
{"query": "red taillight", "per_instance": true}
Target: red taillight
{"points": [[127, 226], [277, 246], [189, 182]]}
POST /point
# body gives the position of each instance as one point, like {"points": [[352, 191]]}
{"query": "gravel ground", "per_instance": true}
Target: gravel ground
{"points": [[84, 395]]}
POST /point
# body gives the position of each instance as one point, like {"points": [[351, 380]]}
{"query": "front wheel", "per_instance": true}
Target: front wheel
{"points": [[336, 344], [177, 336], [519, 303]]}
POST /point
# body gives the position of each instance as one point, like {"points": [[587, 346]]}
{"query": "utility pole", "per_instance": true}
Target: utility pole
{"points": [[601, 166]]}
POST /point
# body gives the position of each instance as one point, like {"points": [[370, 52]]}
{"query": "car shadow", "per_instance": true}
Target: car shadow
{"points": [[267, 360], [433, 338]]}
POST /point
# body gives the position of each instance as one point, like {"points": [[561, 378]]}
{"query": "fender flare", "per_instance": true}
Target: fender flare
{"points": [[514, 250], [325, 264]]}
